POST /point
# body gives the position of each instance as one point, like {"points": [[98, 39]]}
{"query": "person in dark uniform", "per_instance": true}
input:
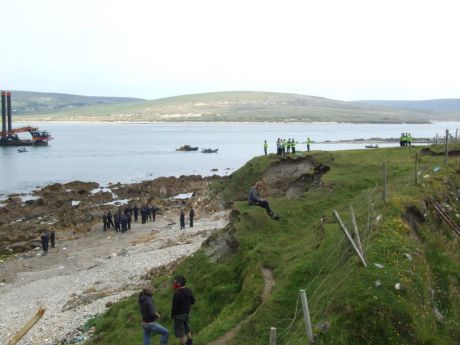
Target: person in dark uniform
{"points": [[182, 302], [110, 220], [149, 316], [128, 220], [104, 221], [182, 219], [136, 212], [153, 210], [45, 237], [191, 215], [149, 212], [52, 238], [144, 214], [117, 219], [254, 199], [123, 223]]}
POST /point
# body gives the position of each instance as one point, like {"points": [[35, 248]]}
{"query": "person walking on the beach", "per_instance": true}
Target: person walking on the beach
{"points": [[182, 301], [136, 212], [110, 220], [182, 219], [149, 316], [191, 215], [45, 237], [52, 238]]}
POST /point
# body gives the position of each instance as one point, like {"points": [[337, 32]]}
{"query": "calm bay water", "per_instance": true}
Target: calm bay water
{"points": [[121, 152]]}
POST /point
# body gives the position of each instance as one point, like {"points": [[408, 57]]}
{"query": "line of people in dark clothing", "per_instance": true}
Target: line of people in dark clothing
{"points": [[121, 220], [182, 301]]}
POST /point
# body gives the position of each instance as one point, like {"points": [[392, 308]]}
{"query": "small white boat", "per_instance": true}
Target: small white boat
{"points": [[22, 149]]}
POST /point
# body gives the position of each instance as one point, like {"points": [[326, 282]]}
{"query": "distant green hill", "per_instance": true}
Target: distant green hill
{"points": [[238, 106], [27, 102]]}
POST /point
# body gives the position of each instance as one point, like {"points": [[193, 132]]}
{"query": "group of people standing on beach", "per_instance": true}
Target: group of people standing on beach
{"points": [[46, 237], [182, 301], [191, 216], [121, 220]]}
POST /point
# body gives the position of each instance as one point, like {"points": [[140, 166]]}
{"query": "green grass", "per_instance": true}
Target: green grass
{"points": [[307, 253]]}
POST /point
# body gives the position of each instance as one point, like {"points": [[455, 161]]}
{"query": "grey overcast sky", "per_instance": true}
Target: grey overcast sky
{"points": [[347, 50]]}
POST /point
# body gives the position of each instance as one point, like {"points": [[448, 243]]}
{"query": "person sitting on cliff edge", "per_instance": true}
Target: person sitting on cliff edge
{"points": [[254, 199]]}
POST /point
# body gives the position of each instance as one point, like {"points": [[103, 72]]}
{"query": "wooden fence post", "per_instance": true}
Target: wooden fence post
{"points": [[355, 229], [361, 257], [272, 336], [384, 194], [306, 317], [26, 328], [446, 159]]}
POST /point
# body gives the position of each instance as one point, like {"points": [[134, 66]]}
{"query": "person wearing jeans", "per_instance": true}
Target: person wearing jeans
{"points": [[149, 316]]}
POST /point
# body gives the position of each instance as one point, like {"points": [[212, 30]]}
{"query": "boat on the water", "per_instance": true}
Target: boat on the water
{"points": [[187, 148], [209, 150], [22, 149], [376, 146]]}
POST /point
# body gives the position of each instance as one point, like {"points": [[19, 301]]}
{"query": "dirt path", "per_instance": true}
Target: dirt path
{"points": [[83, 273], [269, 283]]}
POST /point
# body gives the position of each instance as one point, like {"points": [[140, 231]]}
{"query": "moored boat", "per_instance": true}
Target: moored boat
{"points": [[209, 150], [187, 148]]}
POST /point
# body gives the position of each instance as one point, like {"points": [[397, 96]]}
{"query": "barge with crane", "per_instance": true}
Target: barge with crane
{"points": [[9, 135]]}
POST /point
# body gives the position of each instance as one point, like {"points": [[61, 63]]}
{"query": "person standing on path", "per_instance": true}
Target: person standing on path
{"points": [[183, 300], [45, 237], [265, 147], [149, 316], [52, 238], [136, 212], [182, 219], [308, 144], [191, 216]]}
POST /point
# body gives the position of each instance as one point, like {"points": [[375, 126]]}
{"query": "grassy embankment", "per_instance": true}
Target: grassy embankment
{"points": [[305, 252]]}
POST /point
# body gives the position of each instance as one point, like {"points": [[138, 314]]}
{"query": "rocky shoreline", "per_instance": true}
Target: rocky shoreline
{"points": [[79, 205]]}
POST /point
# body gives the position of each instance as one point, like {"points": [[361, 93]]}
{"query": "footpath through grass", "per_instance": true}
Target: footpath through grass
{"points": [[308, 250]]}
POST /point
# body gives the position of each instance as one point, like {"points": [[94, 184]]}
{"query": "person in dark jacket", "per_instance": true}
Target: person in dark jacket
{"points": [[45, 237], [154, 212], [136, 212], [191, 216], [104, 221], [110, 220], [52, 238], [182, 219], [182, 301], [254, 199], [149, 316]]}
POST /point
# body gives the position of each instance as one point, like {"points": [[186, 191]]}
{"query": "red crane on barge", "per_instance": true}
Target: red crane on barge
{"points": [[9, 136]]}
